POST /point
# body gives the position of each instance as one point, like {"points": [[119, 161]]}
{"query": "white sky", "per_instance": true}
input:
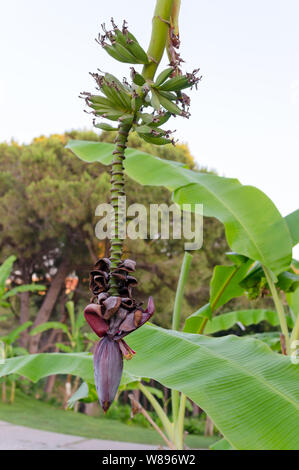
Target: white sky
{"points": [[245, 116]]}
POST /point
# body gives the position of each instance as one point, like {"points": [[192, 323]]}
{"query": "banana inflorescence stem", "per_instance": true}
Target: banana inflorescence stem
{"points": [[159, 37], [117, 190]]}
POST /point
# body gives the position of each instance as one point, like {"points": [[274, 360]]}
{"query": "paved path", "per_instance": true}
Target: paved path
{"points": [[13, 437]]}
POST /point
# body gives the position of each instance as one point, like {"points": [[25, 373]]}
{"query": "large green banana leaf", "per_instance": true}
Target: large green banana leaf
{"points": [[253, 225], [224, 286], [228, 320], [221, 445], [37, 366], [250, 393], [225, 283], [245, 212], [293, 223]]}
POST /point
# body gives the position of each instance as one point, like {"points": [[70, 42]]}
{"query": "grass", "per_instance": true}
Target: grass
{"points": [[27, 411]]}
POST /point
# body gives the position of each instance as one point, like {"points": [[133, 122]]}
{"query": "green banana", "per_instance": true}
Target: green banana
{"points": [[120, 37], [136, 103], [155, 101], [137, 78], [169, 105], [125, 40], [111, 78], [126, 118], [105, 127], [112, 115], [115, 91], [163, 76], [177, 83], [112, 94], [167, 94], [154, 132], [100, 109], [113, 53], [126, 53], [103, 111], [100, 101], [155, 140], [155, 121], [147, 118], [135, 48], [144, 130], [124, 89], [163, 118]]}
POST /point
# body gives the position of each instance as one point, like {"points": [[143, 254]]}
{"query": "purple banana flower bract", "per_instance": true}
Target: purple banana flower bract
{"points": [[108, 366]]}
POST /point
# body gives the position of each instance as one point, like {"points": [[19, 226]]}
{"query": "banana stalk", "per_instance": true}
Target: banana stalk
{"points": [[117, 190], [159, 37]]}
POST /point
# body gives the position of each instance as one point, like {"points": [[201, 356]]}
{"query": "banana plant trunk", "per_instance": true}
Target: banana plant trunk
{"points": [[4, 391], [12, 392]]}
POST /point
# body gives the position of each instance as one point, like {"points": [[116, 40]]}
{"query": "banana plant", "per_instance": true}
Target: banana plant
{"points": [[245, 228], [246, 276], [77, 340], [7, 293], [9, 349]]}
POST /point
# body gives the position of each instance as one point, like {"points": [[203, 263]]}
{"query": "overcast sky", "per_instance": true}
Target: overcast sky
{"points": [[245, 116]]}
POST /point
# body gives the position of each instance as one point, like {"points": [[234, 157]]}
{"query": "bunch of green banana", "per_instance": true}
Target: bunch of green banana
{"points": [[154, 135], [166, 91], [117, 102], [122, 45], [177, 83], [166, 101], [125, 103], [154, 120]]}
